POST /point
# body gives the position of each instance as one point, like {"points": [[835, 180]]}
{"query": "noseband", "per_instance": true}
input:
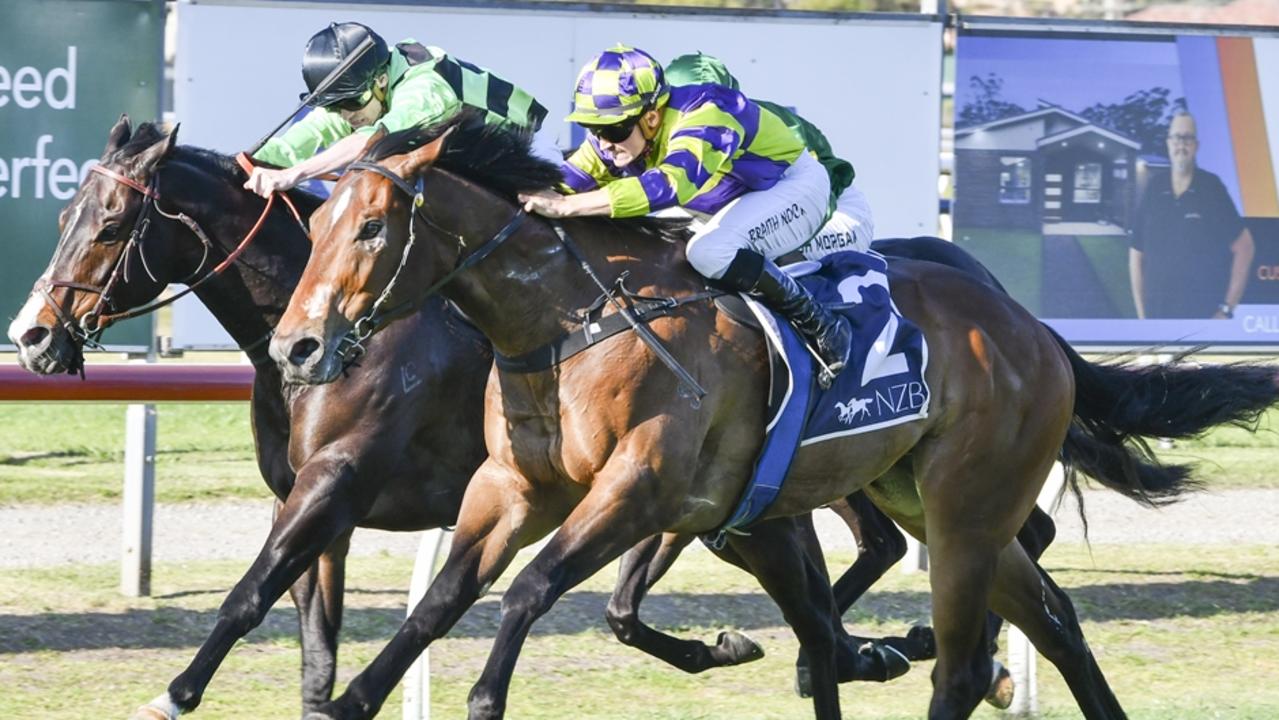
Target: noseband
{"points": [[351, 345], [89, 328]]}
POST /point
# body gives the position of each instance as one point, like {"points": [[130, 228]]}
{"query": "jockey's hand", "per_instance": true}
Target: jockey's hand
{"points": [[265, 181], [546, 203]]}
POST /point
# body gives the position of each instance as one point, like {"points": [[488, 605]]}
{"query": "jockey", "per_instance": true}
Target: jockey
{"points": [[850, 225], [409, 85], [708, 149]]}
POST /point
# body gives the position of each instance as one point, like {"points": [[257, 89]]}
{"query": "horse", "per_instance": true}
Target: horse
{"points": [[370, 451], [602, 450]]}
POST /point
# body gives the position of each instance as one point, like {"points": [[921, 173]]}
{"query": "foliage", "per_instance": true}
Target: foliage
{"points": [[986, 103], [1143, 116]]}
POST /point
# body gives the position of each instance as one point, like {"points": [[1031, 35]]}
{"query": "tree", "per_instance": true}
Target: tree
{"points": [[985, 103], [1143, 116]]}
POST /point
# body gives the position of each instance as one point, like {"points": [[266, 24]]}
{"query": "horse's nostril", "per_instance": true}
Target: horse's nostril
{"points": [[302, 350], [34, 336]]}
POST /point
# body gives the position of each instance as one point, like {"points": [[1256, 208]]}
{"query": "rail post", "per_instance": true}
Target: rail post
{"points": [[417, 682], [138, 496]]}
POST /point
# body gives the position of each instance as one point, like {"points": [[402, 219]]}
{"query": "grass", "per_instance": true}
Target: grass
{"points": [[54, 453], [1014, 256], [1181, 632], [1109, 257]]}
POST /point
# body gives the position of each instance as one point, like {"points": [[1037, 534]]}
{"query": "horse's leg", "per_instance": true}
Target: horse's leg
{"points": [[1027, 596], [776, 553], [318, 597], [501, 513], [618, 512], [325, 504], [879, 545], [641, 567]]}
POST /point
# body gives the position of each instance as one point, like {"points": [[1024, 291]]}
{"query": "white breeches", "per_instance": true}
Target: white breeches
{"points": [[772, 222], [851, 227]]}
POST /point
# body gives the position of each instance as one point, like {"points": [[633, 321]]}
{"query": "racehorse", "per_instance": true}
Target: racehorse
{"points": [[604, 448], [373, 450]]}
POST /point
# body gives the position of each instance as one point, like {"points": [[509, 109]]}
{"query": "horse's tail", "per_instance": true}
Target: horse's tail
{"points": [[1118, 407]]}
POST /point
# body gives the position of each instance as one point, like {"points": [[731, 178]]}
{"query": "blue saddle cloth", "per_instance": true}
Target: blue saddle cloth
{"points": [[882, 385]]}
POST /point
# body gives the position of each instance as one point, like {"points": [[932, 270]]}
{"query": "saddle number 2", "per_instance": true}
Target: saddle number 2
{"points": [[879, 363]]}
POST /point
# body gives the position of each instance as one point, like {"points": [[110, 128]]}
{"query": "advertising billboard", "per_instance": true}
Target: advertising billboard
{"points": [[67, 71], [1123, 185], [885, 123]]}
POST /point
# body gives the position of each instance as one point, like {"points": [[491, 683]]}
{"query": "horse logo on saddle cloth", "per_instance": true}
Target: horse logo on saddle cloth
{"points": [[882, 385]]}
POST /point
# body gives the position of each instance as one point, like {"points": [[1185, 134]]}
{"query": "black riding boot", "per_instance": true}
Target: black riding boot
{"points": [[827, 333]]}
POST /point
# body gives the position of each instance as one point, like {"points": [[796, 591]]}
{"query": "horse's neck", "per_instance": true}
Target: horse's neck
{"points": [[531, 289], [250, 296]]}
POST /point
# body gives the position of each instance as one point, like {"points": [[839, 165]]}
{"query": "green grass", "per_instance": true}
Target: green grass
{"points": [[1109, 257], [74, 453], [1014, 256], [1181, 632], [65, 452]]}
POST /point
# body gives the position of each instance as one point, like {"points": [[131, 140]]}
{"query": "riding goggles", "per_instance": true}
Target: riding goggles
{"points": [[353, 104], [615, 133]]}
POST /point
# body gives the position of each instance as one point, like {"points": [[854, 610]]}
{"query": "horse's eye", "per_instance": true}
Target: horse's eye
{"points": [[110, 233], [370, 230]]}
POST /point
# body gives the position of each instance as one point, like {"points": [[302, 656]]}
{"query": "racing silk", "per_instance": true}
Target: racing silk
{"points": [[700, 68], [714, 145], [426, 87]]}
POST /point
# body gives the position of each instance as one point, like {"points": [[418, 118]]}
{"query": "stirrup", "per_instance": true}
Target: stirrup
{"points": [[826, 374]]}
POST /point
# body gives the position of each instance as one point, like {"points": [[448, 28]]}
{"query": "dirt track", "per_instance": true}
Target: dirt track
{"points": [[33, 536]]}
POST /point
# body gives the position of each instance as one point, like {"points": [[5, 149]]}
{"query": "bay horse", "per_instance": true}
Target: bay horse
{"points": [[373, 450], [602, 450]]}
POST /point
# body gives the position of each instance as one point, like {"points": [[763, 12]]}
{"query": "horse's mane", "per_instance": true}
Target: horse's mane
{"points": [[214, 163], [501, 160]]}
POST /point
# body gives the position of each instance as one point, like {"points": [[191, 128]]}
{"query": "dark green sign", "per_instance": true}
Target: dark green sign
{"points": [[68, 69]]}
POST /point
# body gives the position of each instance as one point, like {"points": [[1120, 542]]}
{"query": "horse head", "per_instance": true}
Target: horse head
{"points": [[98, 228]]}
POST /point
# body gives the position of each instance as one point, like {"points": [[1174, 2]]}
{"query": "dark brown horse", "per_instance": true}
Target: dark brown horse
{"points": [[603, 448], [374, 450]]}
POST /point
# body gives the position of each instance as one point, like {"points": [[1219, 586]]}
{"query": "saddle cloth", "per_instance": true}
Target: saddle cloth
{"points": [[882, 385]]}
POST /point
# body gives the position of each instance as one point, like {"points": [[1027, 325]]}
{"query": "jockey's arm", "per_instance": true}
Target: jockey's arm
{"points": [[264, 181]]}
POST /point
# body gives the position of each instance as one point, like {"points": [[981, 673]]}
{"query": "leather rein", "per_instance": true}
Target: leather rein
{"points": [[89, 328], [351, 344]]}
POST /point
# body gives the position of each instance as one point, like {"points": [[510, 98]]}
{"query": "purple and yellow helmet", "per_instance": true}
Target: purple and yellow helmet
{"points": [[617, 85]]}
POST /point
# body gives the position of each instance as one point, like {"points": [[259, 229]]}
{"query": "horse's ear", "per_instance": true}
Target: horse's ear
{"points": [[420, 159], [148, 158], [119, 135]]}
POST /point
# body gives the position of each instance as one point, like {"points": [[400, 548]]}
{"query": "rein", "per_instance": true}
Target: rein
{"points": [[351, 344], [90, 327]]}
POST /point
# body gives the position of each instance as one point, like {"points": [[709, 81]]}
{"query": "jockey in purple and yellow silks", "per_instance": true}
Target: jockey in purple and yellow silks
{"points": [[708, 149]]}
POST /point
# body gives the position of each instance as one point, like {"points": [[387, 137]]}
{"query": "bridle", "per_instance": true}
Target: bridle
{"points": [[88, 329], [351, 344]]}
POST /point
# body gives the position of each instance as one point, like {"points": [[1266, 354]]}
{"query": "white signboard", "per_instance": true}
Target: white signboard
{"points": [[872, 86]]}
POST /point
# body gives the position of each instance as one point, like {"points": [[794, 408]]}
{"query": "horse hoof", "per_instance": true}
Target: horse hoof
{"points": [[803, 682], [923, 642], [737, 648], [161, 708], [1001, 689], [890, 663]]}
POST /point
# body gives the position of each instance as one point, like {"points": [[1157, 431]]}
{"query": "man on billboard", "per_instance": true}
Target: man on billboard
{"points": [[1189, 249]]}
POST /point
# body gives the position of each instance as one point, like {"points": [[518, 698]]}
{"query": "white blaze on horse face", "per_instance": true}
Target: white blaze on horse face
{"points": [[27, 318], [317, 305], [339, 208]]}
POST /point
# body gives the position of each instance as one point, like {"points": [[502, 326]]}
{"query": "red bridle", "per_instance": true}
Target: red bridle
{"points": [[96, 320]]}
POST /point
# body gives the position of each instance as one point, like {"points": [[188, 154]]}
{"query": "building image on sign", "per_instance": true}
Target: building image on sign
{"points": [[1043, 168]]}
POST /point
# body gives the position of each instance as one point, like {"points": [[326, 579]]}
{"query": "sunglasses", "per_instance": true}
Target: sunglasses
{"points": [[613, 133], [353, 104]]}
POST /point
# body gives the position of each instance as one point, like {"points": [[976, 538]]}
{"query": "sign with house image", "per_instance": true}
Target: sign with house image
{"points": [[1117, 177]]}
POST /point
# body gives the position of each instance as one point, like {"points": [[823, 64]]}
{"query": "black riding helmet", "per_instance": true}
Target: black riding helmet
{"points": [[328, 48]]}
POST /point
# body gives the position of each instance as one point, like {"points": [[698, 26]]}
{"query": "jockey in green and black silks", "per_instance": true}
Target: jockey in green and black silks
{"points": [[393, 88], [851, 225], [708, 149]]}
